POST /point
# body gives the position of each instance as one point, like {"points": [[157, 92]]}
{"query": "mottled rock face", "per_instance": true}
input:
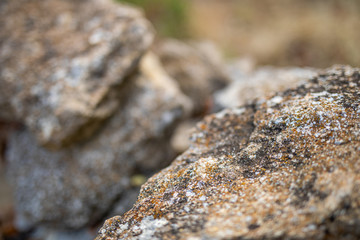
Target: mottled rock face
{"points": [[288, 168], [74, 187], [61, 62]]}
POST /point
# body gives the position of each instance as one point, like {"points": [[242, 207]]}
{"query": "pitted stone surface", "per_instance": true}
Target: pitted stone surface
{"points": [[285, 168]]}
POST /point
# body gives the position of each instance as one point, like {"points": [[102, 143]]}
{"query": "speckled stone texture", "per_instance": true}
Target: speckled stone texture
{"points": [[286, 168], [62, 61]]}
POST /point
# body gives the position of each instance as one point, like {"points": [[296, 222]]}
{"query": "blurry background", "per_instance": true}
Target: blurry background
{"points": [[316, 33]]}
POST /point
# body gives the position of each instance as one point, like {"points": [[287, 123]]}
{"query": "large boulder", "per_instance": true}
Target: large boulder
{"points": [[62, 61], [286, 168], [76, 186]]}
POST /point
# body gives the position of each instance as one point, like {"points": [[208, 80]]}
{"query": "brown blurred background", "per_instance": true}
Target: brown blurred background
{"points": [[316, 33]]}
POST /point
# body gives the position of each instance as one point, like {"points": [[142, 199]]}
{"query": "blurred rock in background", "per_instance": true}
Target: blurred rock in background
{"points": [[197, 67], [62, 61], [258, 84], [199, 70], [74, 187]]}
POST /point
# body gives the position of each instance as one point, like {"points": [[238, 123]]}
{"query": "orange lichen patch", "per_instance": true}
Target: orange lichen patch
{"points": [[202, 126], [109, 221]]}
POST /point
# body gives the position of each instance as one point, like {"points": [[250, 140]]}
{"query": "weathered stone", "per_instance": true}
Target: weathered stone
{"points": [[62, 61], [197, 67], [76, 186], [286, 168], [261, 83]]}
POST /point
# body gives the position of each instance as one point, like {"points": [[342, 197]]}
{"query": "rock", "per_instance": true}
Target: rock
{"points": [[76, 186], [265, 81], [197, 67], [63, 61], [286, 168]]}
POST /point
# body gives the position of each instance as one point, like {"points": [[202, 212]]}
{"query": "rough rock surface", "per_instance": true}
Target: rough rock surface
{"points": [[260, 83], [286, 168], [61, 62], [76, 186], [197, 67]]}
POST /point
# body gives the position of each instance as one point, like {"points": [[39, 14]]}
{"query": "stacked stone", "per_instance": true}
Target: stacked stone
{"points": [[94, 105]]}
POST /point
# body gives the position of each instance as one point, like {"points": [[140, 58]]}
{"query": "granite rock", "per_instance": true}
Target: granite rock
{"points": [[78, 185], [196, 66], [284, 168], [258, 84], [62, 62]]}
